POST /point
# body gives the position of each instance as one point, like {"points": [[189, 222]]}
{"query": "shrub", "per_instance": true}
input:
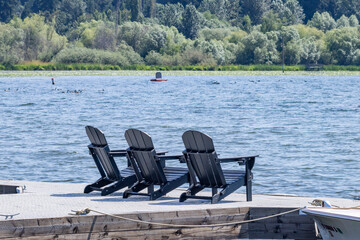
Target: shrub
{"points": [[153, 58], [85, 55]]}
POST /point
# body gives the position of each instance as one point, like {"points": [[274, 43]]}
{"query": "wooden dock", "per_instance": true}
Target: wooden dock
{"points": [[43, 213]]}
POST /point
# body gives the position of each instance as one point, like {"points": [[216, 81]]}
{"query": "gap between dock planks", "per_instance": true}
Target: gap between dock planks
{"points": [[290, 226]]}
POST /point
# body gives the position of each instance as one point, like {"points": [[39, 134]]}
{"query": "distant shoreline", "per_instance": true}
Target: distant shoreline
{"points": [[14, 73], [48, 66]]}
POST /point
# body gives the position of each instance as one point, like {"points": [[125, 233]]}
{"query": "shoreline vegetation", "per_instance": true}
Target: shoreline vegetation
{"points": [[39, 66], [151, 73], [48, 69]]}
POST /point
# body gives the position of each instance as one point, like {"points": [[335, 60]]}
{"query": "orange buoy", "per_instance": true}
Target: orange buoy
{"points": [[158, 79]]}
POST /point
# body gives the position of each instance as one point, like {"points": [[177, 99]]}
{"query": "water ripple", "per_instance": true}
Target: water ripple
{"points": [[305, 130]]}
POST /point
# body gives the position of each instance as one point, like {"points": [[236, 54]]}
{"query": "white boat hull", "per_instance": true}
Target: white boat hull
{"points": [[336, 224]]}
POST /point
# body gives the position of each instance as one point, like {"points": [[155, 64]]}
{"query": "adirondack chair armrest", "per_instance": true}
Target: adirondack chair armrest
{"points": [[241, 160], [172, 157], [161, 152], [117, 153]]}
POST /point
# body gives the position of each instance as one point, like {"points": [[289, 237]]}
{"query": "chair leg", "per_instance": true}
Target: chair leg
{"points": [[151, 189], [156, 194], [191, 191], [168, 187], [228, 189], [215, 195], [137, 187], [249, 189], [97, 185], [214, 191], [124, 182]]}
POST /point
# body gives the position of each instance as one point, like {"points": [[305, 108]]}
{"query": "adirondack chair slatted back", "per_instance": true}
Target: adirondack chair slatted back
{"points": [[144, 154], [202, 157], [99, 149]]}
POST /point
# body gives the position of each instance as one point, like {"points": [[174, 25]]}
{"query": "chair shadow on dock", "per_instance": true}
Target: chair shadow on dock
{"points": [[193, 202], [117, 197], [68, 195], [135, 199]]}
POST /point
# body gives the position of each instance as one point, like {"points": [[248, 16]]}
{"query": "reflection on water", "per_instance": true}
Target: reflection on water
{"points": [[305, 128]]}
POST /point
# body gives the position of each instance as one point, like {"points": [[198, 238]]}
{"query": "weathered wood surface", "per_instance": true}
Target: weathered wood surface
{"points": [[292, 226], [42, 210], [289, 226]]}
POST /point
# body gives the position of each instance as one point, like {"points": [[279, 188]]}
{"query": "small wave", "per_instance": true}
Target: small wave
{"points": [[26, 104], [342, 110]]}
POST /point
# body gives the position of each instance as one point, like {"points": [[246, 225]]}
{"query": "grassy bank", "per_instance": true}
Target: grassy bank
{"points": [[167, 74], [92, 67]]}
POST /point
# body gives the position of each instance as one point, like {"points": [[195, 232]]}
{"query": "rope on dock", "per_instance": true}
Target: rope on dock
{"points": [[88, 210]]}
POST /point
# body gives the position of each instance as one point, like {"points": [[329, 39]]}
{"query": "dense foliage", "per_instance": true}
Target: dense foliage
{"points": [[180, 32]]}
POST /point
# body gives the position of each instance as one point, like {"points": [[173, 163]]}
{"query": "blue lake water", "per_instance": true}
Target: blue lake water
{"points": [[305, 128]]}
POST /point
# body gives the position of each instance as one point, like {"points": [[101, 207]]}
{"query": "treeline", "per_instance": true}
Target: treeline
{"points": [[127, 33]]}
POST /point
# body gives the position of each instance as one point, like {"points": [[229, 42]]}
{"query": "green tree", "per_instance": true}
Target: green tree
{"points": [[236, 37], [322, 21], [270, 22], [311, 50], [343, 44], [217, 7], [347, 8], [104, 37], [289, 33], [194, 56], [291, 43], [289, 11], [85, 55], [255, 9], [135, 7], [174, 42], [259, 48], [292, 52], [196, 3], [41, 42], [232, 8], [143, 38], [214, 48], [68, 15], [309, 32], [214, 34], [246, 24], [149, 8], [154, 58], [170, 14], [11, 44], [192, 22], [46, 7], [9, 9], [353, 21], [328, 6], [343, 22]]}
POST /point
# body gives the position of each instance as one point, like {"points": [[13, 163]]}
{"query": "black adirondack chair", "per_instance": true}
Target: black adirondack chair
{"points": [[150, 168], [204, 165], [111, 177]]}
